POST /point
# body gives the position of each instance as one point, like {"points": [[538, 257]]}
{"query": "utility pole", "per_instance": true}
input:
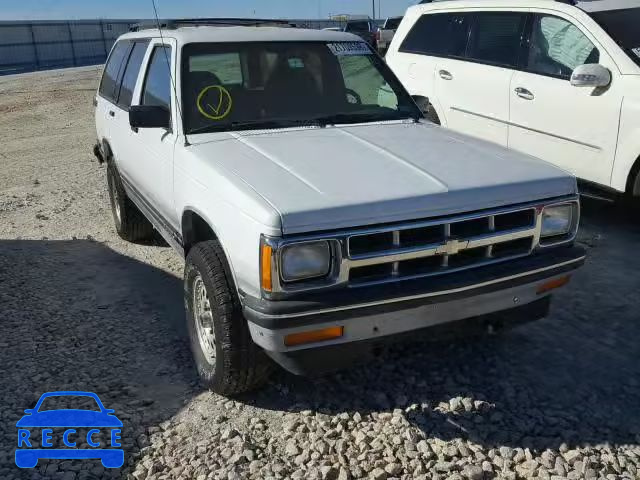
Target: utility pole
{"points": [[374, 9]]}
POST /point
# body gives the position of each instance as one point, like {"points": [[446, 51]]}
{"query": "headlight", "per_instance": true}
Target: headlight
{"points": [[557, 220], [305, 260]]}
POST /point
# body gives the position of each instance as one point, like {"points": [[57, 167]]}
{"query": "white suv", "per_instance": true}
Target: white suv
{"points": [[318, 213], [554, 80]]}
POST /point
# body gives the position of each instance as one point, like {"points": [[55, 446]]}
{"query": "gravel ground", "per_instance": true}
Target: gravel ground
{"points": [[82, 310]]}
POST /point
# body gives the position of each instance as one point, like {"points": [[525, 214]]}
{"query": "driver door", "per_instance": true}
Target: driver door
{"points": [[574, 128]]}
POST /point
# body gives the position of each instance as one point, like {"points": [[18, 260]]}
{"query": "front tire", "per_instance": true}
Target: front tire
{"points": [[130, 223], [227, 359]]}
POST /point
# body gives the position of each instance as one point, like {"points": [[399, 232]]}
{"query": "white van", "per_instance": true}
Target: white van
{"points": [[555, 80]]}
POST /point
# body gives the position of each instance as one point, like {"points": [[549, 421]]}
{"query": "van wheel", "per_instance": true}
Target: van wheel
{"points": [[130, 223], [226, 358], [427, 109]]}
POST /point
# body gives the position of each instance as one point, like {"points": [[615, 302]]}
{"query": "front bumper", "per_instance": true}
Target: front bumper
{"points": [[371, 313]]}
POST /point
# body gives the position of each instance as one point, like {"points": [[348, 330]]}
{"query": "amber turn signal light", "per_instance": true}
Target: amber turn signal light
{"points": [[553, 284], [265, 268], [313, 336]]}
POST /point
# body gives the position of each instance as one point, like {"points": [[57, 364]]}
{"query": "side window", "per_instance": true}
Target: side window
{"points": [[112, 69], [496, 37], [441, 34], [131, 73], [225, 66], [157, 84], [558, 47]]}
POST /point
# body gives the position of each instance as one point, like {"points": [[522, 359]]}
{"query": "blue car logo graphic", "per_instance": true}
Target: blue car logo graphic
{"points": [[70, 419]]}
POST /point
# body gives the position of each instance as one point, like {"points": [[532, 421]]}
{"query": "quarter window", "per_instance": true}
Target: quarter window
{"points": [[441, 35], [112, 70], [131, 73], [558, 47], [157, 85], [496, 38]]}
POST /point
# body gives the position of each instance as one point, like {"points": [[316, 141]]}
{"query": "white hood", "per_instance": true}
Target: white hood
{"points": [[347, 176]]}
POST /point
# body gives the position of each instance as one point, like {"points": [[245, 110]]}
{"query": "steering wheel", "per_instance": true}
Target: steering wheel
{"points": [[352, 97]]}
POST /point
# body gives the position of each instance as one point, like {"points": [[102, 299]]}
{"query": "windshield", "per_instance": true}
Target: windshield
{"points": [[393, 23], [624, 27], [360, 26], [283, 84]]}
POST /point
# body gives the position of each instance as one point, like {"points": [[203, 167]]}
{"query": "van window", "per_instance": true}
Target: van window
{"points": [[441, 35], [496, 37], [157, 85], [558, 47], [131, 73], [112, 69]]}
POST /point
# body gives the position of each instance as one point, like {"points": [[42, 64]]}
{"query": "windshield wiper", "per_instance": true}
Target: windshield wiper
{"points": [[254, 125], [360, 117]]}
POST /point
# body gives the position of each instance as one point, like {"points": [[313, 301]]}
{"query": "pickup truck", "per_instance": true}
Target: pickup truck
{"points": [[364, 28], [318, 217], [385, 35]]}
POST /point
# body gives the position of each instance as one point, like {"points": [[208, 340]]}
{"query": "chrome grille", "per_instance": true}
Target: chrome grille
{"points": [[437, 247]]}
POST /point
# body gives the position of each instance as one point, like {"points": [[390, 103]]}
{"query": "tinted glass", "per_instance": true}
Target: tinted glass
{"points": [[496, 38], [250, 85], [558, 47], [357, 26], [112, 69], [442, 34], [157, 85], [393, 23], [131, 73], [623, 27]]}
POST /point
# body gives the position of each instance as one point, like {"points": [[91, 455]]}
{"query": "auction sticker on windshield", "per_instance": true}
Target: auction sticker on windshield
{"points": [[349, 48], [636, 51]]}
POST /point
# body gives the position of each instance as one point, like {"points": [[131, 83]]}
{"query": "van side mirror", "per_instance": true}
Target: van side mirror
{"points": [[591, 75], [149, 116]]}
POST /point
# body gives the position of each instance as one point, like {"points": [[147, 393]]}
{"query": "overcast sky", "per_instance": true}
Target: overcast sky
{"points": [[77, 9]]}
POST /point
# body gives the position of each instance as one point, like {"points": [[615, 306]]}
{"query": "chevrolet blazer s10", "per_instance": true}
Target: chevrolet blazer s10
{"points": [[317, 211]]}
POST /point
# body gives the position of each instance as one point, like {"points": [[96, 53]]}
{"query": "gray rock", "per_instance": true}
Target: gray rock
{"points": [[378, 474], [473, 472]]}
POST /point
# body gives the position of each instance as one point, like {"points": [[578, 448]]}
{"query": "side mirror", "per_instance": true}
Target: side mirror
{"points": [[591, 75], [147, 116]]}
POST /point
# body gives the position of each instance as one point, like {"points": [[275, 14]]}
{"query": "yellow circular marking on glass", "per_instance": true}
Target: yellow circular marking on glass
{"points": [[215, 112]]}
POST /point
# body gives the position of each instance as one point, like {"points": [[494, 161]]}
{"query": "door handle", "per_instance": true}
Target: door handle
{"points": [[445, 75], [112, 113], [524, 93]]}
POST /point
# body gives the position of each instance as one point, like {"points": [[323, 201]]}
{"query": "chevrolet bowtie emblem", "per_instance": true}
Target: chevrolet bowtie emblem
{"points": [[452, 247]]}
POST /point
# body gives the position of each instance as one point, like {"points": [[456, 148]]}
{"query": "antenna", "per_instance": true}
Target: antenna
{"points": [[173, 83]]}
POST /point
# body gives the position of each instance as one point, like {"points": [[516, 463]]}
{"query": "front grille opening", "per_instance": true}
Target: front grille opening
{"points": [[370, 272], [470, 228], [513, 220], [467, 257], [420, 266], [376, 242], [521, 246], [415, 237]]}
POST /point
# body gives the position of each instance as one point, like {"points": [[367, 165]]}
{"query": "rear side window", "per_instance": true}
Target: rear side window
{"points": [[558, 47], [157, 84], [496, 37], [440, 35], [112, 70], [131, 73]]}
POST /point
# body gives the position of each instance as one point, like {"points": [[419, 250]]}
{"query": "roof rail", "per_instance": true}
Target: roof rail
{"points": [[222, 22]]}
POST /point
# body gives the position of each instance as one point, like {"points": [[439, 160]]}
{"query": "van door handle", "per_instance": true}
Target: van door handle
{"points": [[112, 113], [445, 75], [524, 93]]}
